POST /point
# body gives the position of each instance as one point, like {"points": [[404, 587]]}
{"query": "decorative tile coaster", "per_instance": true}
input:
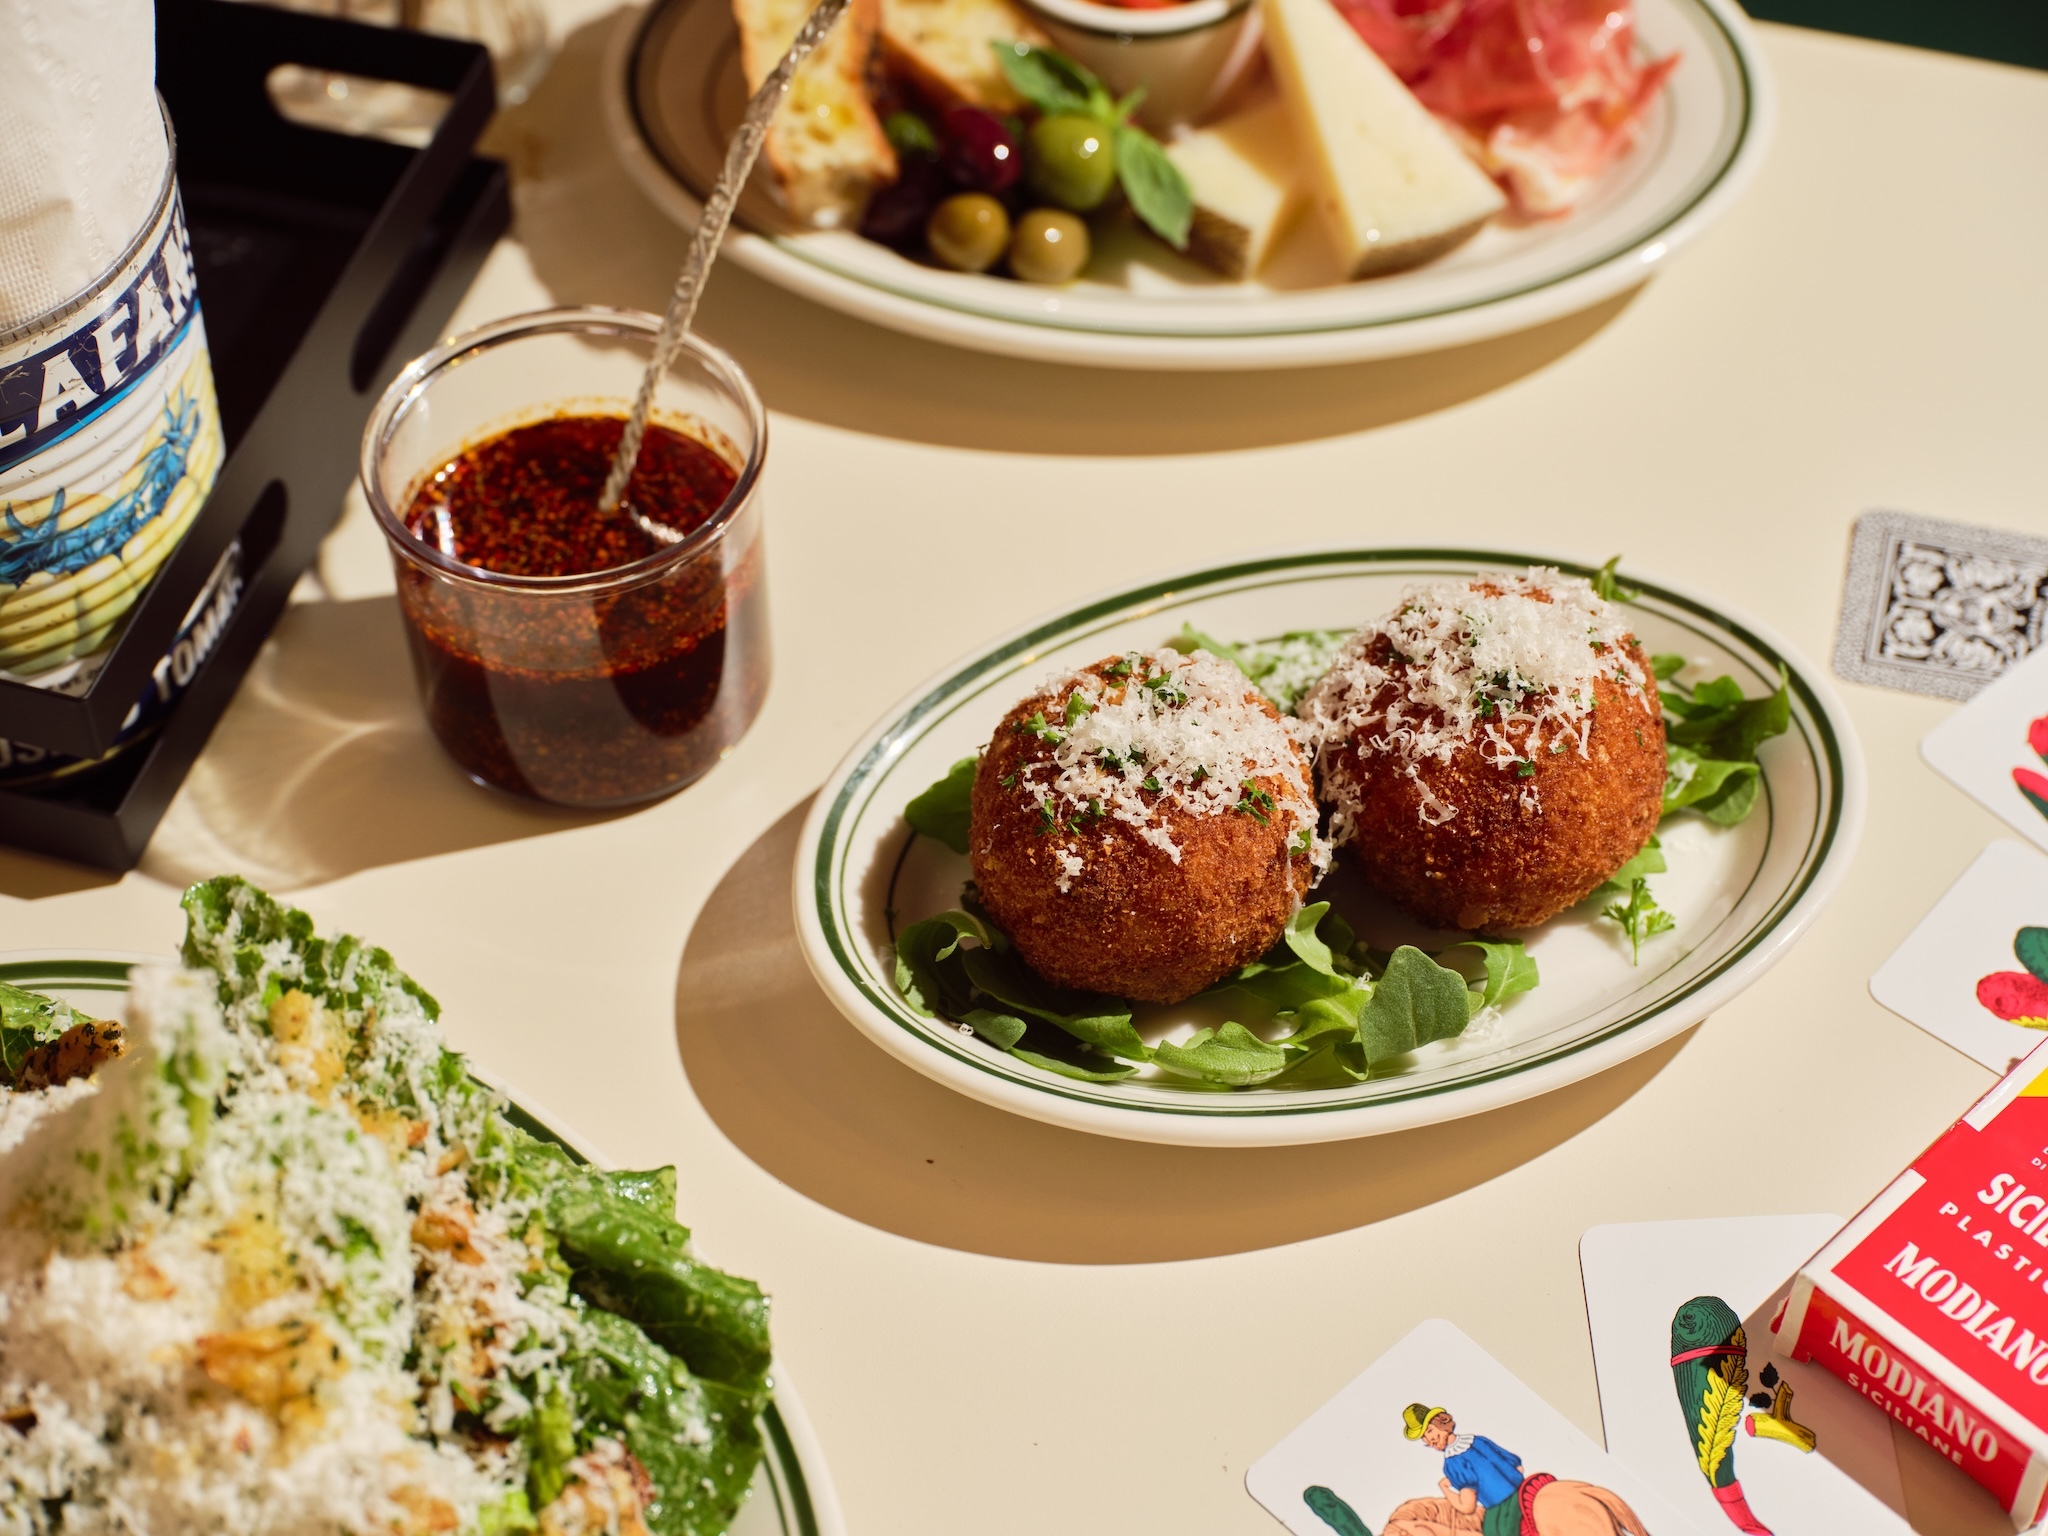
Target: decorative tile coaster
{"points": [[1939, 607]]}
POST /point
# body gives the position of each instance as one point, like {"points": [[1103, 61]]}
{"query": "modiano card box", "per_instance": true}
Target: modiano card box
{"points": [[1933, 1302]]}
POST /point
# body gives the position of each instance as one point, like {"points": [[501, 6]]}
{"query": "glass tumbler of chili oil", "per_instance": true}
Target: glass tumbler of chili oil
{"points": [[577, 657]]}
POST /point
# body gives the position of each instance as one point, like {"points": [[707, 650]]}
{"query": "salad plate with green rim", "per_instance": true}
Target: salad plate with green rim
{"points": [[791, 1491], [1734, 888]]}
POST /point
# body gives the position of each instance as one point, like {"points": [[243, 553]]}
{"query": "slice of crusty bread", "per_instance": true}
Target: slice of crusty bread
{"points": [[825, 144], [943, 47]]}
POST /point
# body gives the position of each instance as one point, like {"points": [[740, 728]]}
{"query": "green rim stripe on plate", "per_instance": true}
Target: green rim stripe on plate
{"points": [[783, 1466], [792, 245], [1118, 608]]}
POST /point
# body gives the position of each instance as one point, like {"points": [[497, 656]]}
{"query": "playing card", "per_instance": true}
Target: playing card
{"points": [[1435, 1434], [1939, 607], [1995, 748], [1975, 971], [1791, 1447]]}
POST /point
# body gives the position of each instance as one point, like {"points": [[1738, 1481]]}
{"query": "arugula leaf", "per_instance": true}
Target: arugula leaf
{"points": [[1001, 1030], [1721, 791], [1648, 862], [1415, 1002], [27, 1020], [1720, 723], [1191, 640], [1231, 1055], [1664, 666], [1640, 917], [1330, 1065], [1509, 969], [1093, 1018], [1051, 81], [930, 972], [1159, 193], [1302, 966], [1107, 1074], [942, 811], [1607, 588]]}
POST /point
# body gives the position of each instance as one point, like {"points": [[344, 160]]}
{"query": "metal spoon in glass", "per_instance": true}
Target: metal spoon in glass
{"points": [[740, 156]]}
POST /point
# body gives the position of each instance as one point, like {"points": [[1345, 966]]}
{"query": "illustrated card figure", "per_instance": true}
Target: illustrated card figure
{"points": [[1995, 748], [1437, 1438], [1695, 1401], [1974, 973]]}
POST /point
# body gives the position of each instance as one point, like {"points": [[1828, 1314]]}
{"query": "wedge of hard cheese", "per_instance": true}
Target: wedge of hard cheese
{"points": [[1245, 175], [1394, 186]]}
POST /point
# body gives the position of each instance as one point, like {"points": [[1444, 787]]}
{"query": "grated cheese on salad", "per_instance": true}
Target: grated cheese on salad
{"points": [[1505, 663], [285, 1267], [1166, 728]]}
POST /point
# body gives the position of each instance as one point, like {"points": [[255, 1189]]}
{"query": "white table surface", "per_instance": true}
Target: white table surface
{"points": [[1006, 1328]]}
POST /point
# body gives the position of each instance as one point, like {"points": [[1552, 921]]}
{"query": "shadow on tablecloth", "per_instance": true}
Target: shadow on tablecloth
{"points": [[593, 238], [323, 766], [800, 1091]]}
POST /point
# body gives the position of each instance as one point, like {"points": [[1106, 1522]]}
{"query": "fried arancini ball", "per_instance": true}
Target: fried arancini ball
{"points": [[1493, 752], [1144, 826]]}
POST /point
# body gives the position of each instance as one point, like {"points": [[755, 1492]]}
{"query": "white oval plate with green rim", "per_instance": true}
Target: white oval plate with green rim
{"points": [[792, 1493], [1740, 895], [672, 93]]}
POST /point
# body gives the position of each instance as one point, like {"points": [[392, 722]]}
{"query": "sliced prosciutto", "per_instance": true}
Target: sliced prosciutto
{"points": [[1547, 93]]}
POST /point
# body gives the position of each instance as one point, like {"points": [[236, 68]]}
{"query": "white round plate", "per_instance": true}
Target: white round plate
{"points": [[1741, 895], [672, 93], [792, 1493]]}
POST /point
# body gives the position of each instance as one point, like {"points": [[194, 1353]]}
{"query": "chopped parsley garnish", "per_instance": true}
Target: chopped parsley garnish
{"points": [[1121, 667], [1525, 769], [1009, 780], [1152, 783], [1036, 726], [1077, 706], [1255, 803]]}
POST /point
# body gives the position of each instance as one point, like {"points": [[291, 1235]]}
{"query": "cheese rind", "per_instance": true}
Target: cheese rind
{"points": [[1244, 174], [1393, 185]]}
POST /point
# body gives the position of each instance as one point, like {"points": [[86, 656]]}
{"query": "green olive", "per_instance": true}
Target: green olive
{"points": [[1072, 161], [1050, 246], [968, 231]]}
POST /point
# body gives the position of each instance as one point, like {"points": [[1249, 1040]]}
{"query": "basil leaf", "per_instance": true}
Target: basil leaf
{"points": [[1159, 194], [1108, 1074], [1416, 1002], [1001, 1030], [1510, 968], [1048, 79], [1231, 1055], [929, 970], [1094, 1018], [943, 810]]}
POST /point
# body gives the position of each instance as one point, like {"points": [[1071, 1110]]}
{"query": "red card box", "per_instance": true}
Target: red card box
{"points": [[1933, 1302]]}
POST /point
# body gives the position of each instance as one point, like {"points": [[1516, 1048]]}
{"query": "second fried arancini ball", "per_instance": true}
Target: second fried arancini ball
{"points": [[1492, 752], [1144, 826]]}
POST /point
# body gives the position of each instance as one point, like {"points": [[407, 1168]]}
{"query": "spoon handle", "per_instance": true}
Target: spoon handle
{"points": [[740, 156]]}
